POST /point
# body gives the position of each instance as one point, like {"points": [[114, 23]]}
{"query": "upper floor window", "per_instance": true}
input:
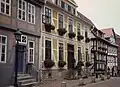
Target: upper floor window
{"points": [[5, 7], [78, 28], [70, 25], [69, 8], [22, 9], [86, 33], [31, 13], [3, 46], [31, 51], [60, 51], [47, 15], [79, 54], [62, 4], [60, 21]]}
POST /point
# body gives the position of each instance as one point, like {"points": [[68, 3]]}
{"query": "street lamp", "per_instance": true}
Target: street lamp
{"points": [[17, 38]]}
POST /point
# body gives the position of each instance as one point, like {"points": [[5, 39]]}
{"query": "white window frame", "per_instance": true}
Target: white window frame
{"points": [[29, 51], [63, 20], [22, 10], [70, 18], [5, 49], [31, 13], [5, 7]]}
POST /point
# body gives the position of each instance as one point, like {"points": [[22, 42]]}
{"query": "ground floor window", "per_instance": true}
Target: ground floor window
{"points": [[60, 51], [47, 49], [31, 45], [3, 46]]}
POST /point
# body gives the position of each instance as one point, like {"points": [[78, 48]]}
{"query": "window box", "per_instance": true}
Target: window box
{"points": [[88, 64], [61, 63], [61, 31], [71, 35], [49, 27], [80, 37], [48, 63], [87, 40]]}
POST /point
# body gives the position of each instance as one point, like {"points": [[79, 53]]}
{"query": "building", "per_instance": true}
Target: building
{"points": [[64, 35], [99, 51], [118, 52], [112, 48], [25, 15]]}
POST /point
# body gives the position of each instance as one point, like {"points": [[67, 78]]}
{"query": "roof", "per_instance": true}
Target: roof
{"points": [[108, 32], [73, 2]]}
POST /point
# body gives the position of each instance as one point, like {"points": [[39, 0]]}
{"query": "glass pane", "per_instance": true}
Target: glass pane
{"points": [[2, 7], [7, 9], [32, 18], [23, 39], [33, 10], [23, 16], [20, 4], [0, 39], [3, 57], [30, 44], [3, 40], [3, 48], [7, 1], [29, 17], [29, 8], [24, 5], [19, 14]]}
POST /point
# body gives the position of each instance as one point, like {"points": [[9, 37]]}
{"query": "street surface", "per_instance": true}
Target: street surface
{"points": [[113, 82]]}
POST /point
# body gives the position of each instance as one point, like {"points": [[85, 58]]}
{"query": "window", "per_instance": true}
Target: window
{"points": [[31, 52], [78, 28], [60, 51], [86, 34], [60, 21], [5, 7], [47, 49], [73, 10], [3, 46], [31, 13], [47, 15], [79, 54], [70, 26], [69, 8], [62, 4], [22, 10]]}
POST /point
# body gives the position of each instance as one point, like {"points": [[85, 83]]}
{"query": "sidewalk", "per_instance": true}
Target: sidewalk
{"points": [[69, 83]]}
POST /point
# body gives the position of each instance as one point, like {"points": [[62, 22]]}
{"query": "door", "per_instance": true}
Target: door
{"points": [[70, 58], [21, 58]]}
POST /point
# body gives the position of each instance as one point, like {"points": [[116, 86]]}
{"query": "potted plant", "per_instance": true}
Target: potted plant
{"points": [[80, 37], [71, 35], [49, 63], [49, 27], [61, 63], [88, 64], [62, 31], [87, 40]]}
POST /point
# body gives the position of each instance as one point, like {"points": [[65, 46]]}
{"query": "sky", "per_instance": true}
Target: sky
{"points": [[103, 13]]}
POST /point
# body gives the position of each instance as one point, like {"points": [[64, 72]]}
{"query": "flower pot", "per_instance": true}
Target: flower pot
{"points": [[61, 63], [49, 63], [71, 35], [49, 27], [61, 31], [80, 37], [87, 40]]}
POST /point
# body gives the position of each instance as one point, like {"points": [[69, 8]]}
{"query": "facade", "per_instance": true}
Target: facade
{"points": [[65, 39], [25, 15], [112, 49], [118, 52]]}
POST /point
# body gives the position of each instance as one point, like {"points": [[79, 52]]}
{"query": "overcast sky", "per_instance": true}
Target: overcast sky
{"points": [[103, 13]]}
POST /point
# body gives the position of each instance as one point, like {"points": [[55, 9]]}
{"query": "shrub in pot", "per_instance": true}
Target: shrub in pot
{"points": [[61, 63], [49, 63]]}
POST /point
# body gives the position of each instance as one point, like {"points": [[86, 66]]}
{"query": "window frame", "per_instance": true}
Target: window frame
{"points": [[78, 28], [29, 51], [22, 41], [50, 48], [5, 49], [49, 16], [22, 10], [32, 14], [61, 50], [9, 4]]}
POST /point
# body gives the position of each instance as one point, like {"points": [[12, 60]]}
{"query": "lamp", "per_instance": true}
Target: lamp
{"points": [[18, 35]]}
